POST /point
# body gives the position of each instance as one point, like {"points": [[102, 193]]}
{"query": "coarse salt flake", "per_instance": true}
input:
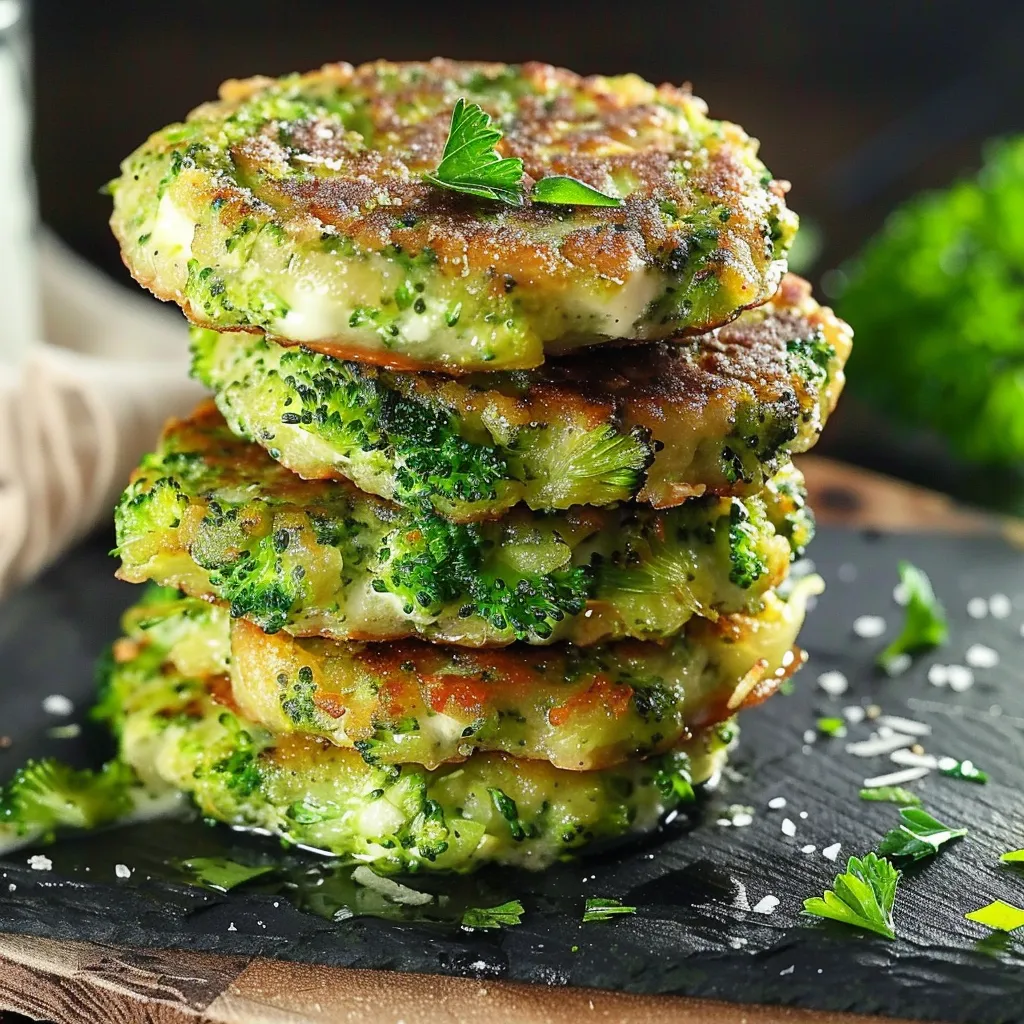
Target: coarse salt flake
{"points": [[766, 905], [869, 626], [879, 744], [960, 678], [777, 803], [835, 684], [40, 862], [831, 852], [977, 607], [788, 827], [122, 871], [999, 606], [57, 704], [907, 725], [980, 656]]}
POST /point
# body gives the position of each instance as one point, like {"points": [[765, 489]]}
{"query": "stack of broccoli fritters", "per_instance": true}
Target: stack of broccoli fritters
{"points": [[475, 554]]}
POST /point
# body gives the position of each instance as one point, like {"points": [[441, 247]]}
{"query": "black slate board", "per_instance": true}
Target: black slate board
{"points": [[692, 884]]}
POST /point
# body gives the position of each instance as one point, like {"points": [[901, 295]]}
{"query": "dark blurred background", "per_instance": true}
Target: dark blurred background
{"points": [[860, 104]]}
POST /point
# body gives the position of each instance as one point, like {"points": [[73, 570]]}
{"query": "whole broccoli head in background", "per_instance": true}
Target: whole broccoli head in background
{"points": [[937, 303]]}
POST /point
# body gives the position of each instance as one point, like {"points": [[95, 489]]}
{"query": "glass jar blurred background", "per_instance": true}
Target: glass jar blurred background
{"points": [[19, 311]]}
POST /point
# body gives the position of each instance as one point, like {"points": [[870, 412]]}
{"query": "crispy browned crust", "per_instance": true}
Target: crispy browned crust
{"points": [[549, 136]]}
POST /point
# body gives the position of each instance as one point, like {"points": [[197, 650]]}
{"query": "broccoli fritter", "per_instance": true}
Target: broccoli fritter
{"points": [[298, 207], [715, 414], [185, 732], [219, 518], [579, 708]]}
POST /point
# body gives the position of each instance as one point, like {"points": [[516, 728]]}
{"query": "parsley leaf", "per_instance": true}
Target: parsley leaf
{"points": [[1012, 857], [962, 770], [222, 874], [1003, 917], [919, 835], [469, 162], [505, 915], [833, 726], [598, 909], [891, 795], [561, 190], [862, 896], [924, 625]]}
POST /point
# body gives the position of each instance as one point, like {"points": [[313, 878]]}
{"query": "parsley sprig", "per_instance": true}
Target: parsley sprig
{"points": [[919, 835], [862, 896], [924, 625], [600, 909], [471, 164], [504, 916]]}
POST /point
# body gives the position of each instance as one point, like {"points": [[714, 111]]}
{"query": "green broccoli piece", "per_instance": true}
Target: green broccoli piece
{"points": [[239, 772], [761, 431], [144, 512], [936, 302], [616, 461], [436, 562], [811, 359], [529, 605], [747, 565], [46, 795], [259, 585]]}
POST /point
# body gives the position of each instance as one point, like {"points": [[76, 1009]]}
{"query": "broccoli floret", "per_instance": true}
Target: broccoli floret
{"points": [[297, 701], [529, 605], [145, 511], [761, 431], [256, 306], [936, 302], [46, 795], [792, 517], [259, 585], [430, 563], [613, 461], [811, 359], [357, 412], [747, 565], [239, 771], [436, 562]]}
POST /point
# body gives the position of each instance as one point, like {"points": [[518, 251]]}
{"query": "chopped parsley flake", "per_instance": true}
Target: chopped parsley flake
{"points": [[1012, 857], [504, 916], [222, 874], [962, 770], [891, 795], [862, 896], [919, 835], [833, 726], [1003, 917], [924, 624], [598, 909]]}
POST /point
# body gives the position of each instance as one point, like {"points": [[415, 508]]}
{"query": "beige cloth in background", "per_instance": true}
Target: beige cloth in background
{"points": [[83, 407]]}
